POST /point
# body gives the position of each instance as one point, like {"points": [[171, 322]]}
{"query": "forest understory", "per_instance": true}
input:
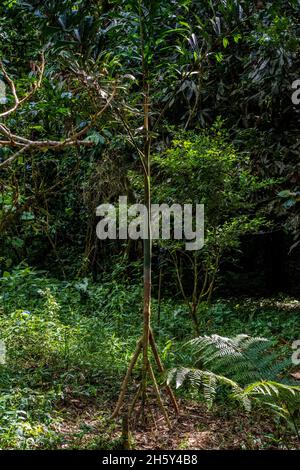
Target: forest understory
{"points": [[68, 355], [149, 225]]}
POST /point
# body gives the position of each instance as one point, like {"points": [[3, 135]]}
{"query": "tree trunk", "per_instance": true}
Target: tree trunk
{"points": [[148, 238], [147, 341]]}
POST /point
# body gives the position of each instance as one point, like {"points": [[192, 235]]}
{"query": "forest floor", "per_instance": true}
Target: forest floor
{"points": [[85, 426]]}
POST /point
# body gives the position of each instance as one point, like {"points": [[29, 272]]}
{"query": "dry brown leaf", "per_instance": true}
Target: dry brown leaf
{"points": [[296, 375]]}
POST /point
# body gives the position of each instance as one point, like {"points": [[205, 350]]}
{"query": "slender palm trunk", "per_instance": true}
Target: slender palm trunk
{"points": [[147, 342], [148, 239], [147, 202]]}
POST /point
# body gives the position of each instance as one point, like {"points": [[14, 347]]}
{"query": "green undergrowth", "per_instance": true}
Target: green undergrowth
{"points": [[73, 340]]}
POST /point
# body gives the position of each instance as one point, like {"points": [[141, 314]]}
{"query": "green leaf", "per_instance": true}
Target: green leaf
{"points": [[237, 37], [285, 193], [17, 242], [225, 42], [27, 216], [96, 138], [219, 56]]}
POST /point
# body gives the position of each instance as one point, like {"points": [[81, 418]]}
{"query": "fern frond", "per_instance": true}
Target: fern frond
{"points": [[209, 381], [244, 359], [280, 398], [246, 366], [280, 391]]}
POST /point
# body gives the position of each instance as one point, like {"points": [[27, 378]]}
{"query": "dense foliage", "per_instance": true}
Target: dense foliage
{"points": [[224, 133]]}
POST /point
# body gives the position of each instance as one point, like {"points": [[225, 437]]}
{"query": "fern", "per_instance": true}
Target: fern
{"points": [[246, 367], [281, 399], [284, 398], [210, 382], [244, 359]]}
